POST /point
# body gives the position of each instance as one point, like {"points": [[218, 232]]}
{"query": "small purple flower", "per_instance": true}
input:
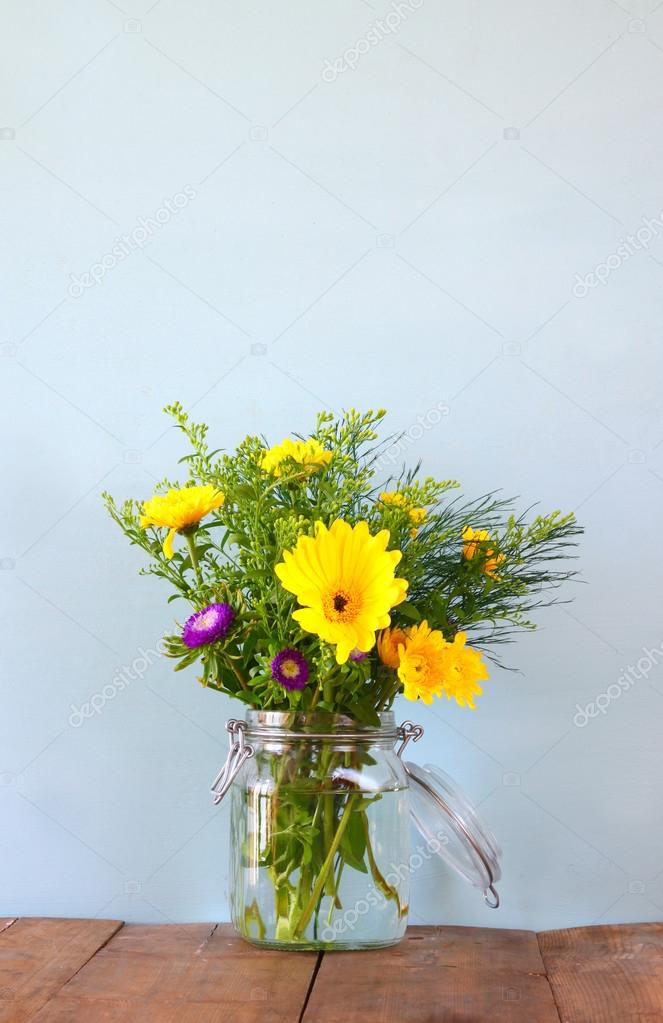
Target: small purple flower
{"points": [[358, 655], [290, 669], [208, 625]]}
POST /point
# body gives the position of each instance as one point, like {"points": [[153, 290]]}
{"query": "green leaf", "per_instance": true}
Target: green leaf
{"points": [[188, 660], [365, 713], [353, 843], [356, 833], [409, 611]]}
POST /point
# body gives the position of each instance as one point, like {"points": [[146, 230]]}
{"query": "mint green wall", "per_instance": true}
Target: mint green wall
{"points": [[451, 210]]}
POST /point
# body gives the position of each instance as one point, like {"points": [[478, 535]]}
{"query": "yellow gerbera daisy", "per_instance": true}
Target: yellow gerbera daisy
{"points": [[388, 642], [464, 668], [472, 539], [422, 662], [310, 454], [178, 509], [344, 578]]}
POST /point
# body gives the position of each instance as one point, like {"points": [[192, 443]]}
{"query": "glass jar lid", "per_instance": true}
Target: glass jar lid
{"points": [[449, 823]]}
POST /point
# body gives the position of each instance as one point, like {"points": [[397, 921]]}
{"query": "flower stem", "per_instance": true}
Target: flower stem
{"points": [[387, 890], [326, 867], [238, 675], [194, 557]]}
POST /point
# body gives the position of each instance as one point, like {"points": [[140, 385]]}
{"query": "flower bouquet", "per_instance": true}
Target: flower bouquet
{"points": [[319, 588]]}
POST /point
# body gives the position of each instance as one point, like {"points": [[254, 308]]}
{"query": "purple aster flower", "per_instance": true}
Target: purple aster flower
{"points": [[290, 669], [208, 625], [358, 655]]}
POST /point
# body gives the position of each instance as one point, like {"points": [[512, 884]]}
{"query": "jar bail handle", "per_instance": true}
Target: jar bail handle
{"points": [[408, 731], [238, 753]]}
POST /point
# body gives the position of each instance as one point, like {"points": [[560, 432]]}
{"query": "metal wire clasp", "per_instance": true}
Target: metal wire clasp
{"points": [[408, 731], [238, 754]]}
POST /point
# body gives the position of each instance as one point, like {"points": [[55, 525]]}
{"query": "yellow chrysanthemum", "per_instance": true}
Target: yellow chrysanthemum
{"points": [[388, 642], [422, 662], [430, 666], [310, 454], [344, 578], [178, 509], [464, 668], [472, 539]]}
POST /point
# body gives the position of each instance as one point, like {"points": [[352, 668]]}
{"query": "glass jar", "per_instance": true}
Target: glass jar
{"points": [[319, 830], [319, 833]]}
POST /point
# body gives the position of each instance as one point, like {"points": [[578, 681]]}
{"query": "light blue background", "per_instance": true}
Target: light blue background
{"points": [[406, 235]]}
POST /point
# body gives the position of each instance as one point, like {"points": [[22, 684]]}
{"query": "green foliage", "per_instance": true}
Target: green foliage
{"points": [[230, 556]]}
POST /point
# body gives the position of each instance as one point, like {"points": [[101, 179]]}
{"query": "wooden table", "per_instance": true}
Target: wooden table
{"points": [[99, 971]]}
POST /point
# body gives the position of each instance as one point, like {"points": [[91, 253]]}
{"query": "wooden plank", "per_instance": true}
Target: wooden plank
{"points": [[611, 974], [184, 974], [437, 975], [38, 956]]}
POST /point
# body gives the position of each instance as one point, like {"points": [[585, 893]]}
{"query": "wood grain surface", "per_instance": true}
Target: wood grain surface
{"points": [[38, 957], [611, 974], [445, 974], [98, 971], [196, 973]]}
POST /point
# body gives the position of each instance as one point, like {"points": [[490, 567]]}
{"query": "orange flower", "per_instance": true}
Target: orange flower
{"points": [[473, 546], [388, 643]]}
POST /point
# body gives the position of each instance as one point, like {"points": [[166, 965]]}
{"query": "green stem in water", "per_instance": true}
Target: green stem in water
{"points": [[252, 915], [327, 866], [383, 885], [336, 903]]}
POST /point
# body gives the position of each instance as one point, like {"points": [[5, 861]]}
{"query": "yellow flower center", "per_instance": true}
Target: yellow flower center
{"points": [[417, 668], [206, 621], [340, 606], [290, 668]]}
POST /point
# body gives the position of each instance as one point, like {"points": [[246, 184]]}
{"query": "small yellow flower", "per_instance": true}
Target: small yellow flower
{"points": [[472, 539], [395, 499], [464, 668], [417, 516], [388, 643], [344, 578], [179, 509], [309, 454]]}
